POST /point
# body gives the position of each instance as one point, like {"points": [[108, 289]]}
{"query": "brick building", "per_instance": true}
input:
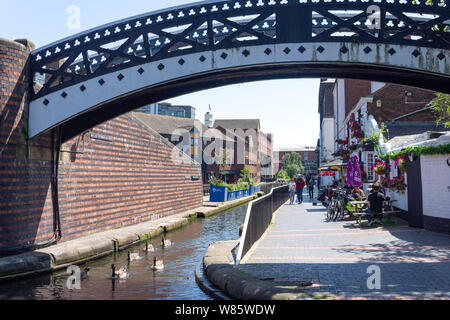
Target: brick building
{"points": [[117, 174], [259, 146], [307, 154]]}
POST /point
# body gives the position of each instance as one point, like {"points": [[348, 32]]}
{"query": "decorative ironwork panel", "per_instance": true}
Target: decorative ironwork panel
{"points": [[215, 25]]}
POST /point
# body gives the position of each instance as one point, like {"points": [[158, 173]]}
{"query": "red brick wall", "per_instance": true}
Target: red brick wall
{"points": [[108, 184], [127, 180], [393, 103], [355, 90], [25, 166]]}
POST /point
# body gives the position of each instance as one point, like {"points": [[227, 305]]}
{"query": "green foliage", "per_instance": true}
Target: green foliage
{"points": [[247, 177], [418, 150], [240, 185], [216, 182], [384, 132], [441, 107], [373, 138], [292, 164], [283, 175]]}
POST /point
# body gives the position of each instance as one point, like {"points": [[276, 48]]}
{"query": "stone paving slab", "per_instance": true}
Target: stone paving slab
{"points": [[301, 246]]}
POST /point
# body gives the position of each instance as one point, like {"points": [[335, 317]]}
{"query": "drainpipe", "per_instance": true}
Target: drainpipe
{"points": [[56, 150]]}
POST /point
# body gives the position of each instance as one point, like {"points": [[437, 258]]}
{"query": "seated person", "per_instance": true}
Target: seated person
{"points": [[375, 199], [330, 190], [358, 193]]}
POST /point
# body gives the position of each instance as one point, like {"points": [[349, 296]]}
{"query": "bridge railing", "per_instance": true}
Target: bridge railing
{"points": [[215, 25], [258, 217]]}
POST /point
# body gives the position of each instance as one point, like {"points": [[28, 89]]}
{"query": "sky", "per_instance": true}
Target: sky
{"points": [[286, 108]]}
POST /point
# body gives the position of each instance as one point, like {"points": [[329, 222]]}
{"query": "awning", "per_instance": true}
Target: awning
{"points": [[326, 174], [335, 165]]}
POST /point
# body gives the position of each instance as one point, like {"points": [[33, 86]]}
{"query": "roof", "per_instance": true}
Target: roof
{"points": [[135, 116], [406, 140], [232, 124], [407, 128], [334, 163], [169, 125], [296, 149]]}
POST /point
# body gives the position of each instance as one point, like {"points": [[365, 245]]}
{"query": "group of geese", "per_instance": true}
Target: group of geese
{"points": [[122, 273]]}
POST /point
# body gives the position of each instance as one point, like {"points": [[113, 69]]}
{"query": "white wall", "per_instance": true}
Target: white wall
{"points": [[401, 197], [339, 109], [327, 138], [435, 186]]}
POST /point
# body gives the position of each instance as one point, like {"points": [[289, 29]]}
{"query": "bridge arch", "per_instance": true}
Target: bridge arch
{"points": [[94, 76]]}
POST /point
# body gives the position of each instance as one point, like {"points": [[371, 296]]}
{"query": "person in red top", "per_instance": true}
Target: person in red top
{"points": [[299, 185]]}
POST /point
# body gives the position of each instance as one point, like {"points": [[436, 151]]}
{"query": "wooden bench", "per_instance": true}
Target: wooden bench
{"points": [[388, 214]]}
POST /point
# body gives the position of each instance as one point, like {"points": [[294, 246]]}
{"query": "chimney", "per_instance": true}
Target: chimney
{"points": [[208, 119]]}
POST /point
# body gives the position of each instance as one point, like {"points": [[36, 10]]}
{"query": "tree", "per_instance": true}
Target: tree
{"points": [[292, 164], [441, 107], [283, 175]]}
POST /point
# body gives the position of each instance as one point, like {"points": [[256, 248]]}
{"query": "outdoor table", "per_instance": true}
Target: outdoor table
{"points": [[359, 209], [388, 205]]}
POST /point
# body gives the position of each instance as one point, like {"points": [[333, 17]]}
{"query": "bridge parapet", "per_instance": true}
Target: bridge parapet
{"points": [[215, 25]]}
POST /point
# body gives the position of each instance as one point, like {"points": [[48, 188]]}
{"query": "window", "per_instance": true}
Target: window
{"points": [[370, 173]]}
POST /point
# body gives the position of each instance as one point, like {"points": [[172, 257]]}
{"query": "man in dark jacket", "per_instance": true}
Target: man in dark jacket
{"points": [[299, 185], [375, 199]]}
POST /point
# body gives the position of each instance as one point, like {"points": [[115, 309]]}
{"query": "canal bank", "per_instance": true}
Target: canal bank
{"points": [[101, 244], [220, 269]]}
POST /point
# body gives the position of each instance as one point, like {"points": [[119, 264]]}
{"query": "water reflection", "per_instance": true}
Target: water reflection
{"points": [[176, 281]]}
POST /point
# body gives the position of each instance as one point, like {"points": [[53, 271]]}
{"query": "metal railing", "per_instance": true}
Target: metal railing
{"points": [[258, 217]]}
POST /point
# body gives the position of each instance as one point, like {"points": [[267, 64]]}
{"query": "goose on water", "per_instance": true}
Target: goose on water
{"points": [[157, 264], [149, 247], [133, 256], [165, 243], [85, 273], [120, 274]]}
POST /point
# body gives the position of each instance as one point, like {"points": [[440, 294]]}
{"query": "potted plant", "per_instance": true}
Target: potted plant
{"points": [[217, 190], [399, 183], [381, 167], [231, 192], [401, 163], [386, 182]]}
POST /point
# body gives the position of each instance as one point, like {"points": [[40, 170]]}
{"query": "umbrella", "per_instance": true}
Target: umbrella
{"points": [[349, 180], [357, 180], [326, 174]]}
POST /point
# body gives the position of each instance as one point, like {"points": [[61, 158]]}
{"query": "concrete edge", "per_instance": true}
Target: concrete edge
{"points": [[99, 245], [226, 206], [220, 270], [207, 286]]}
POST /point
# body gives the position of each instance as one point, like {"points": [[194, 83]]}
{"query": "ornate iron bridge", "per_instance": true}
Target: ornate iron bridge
{"points": [[101, 73]]}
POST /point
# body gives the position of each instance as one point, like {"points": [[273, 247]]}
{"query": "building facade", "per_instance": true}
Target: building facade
{"points": [[307, 155], [257, 155], [167, 109]]}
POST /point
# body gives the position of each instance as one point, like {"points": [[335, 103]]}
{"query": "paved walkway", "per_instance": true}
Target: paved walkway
{"points": [[302, 246]]}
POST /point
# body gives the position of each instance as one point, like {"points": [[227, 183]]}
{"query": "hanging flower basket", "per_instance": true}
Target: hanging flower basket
{"points": [[399, 183], [343, 152], [358, 134], [342, 141], [381, 167], [401, 163], [386, 182], [354, 126]]}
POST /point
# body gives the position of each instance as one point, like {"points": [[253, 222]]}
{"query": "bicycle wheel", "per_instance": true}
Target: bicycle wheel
{"points": [[330, 210], [337, 210], [340, 211]]}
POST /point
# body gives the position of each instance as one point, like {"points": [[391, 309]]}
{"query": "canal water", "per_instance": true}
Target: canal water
{"points": [[175, 282]]}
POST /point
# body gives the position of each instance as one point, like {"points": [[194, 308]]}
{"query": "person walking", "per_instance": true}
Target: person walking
{"points": [[300, 184], [311, 184], [292, 191]]}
